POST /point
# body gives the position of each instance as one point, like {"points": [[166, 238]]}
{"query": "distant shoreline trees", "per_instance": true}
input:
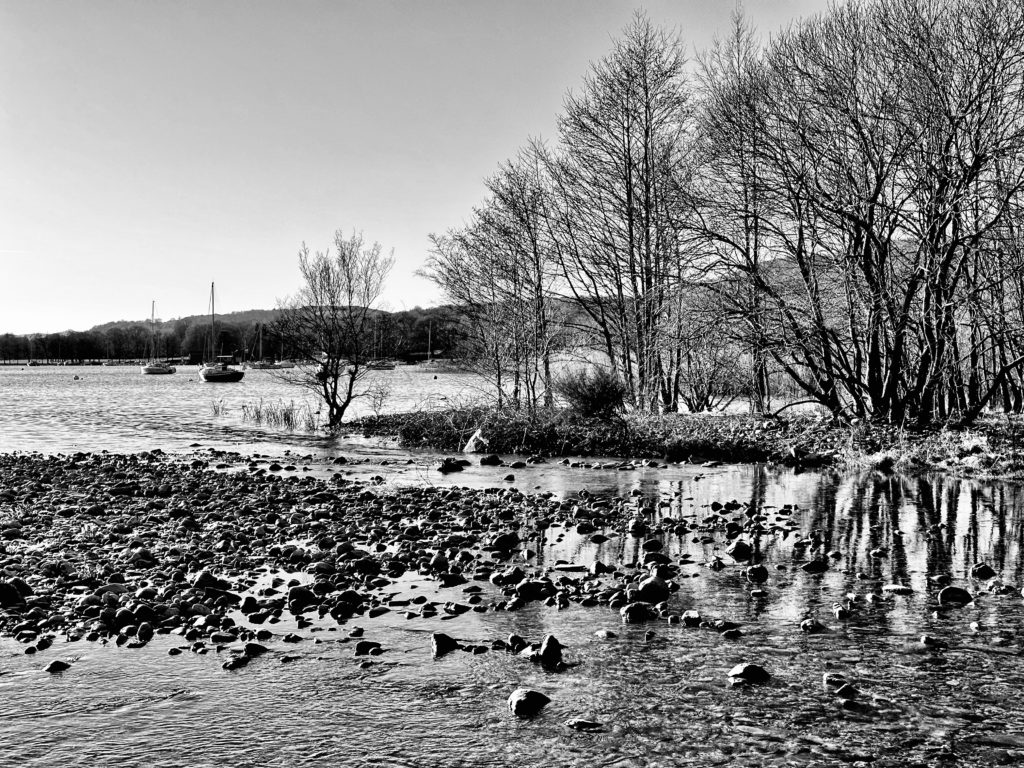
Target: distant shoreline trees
{"points": [[401, 335], [837, 211]]}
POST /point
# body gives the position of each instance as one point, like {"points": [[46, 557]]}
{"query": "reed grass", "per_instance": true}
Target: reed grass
{"points": [[280, 415], [219, 409]]}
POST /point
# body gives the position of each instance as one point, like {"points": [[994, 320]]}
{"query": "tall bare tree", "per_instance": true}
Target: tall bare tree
{"points": [[615, 219]]}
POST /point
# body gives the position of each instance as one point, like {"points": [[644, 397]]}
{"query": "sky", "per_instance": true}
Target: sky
{"points": [[150, 148]]}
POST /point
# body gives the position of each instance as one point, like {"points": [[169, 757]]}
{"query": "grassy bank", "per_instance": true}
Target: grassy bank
{"points": [[992, 447]]}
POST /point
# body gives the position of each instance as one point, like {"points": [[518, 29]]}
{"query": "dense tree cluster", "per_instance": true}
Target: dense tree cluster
{"points": [[836, 211], [399, 335]]}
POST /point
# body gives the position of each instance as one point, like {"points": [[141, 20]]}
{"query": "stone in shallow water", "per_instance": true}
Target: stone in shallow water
{"points": [[636, 613], [441, 644], [586, 726], [749, 674], [983, 572], [526, 703], [57, 666], [955, 596], [740, 550], [366, 647]]}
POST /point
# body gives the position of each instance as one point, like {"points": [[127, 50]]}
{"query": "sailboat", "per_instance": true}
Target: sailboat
{"points": [[217, 370], [155, 366], [260, 363]]}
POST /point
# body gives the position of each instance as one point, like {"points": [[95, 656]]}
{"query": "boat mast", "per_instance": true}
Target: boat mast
{"points": [[213, 327]]}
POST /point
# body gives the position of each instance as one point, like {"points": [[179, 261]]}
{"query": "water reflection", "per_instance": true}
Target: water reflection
{"points": [[659, 689]]}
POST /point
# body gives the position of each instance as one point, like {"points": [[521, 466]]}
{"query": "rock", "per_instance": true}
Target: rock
{"points": [[749, 674], [653, 590], [550, 655], [637, 613], [740, 550], [449, 465], [818, 565], [491, 460], [476, 443], [586, 726], [515, 643], [505, 542], [56, 666], [691, 618], [206, 580], [526, 703], [9, 595], [847, 692], [441, 644], [366, 648], [812, 626], [236, 662], [982, 572], [756, 574], [955, 596]]}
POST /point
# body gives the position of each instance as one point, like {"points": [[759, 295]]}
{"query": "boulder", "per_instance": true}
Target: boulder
{"points": [[9, 595], [653, 590], [505, 542], [367, 648], [442, 644], [56, 666], [756, 574], [550, 655], [637, 613], [526, 703], [955, 596], [983, 572], [300, 597], [749, 674], [740, 550]]}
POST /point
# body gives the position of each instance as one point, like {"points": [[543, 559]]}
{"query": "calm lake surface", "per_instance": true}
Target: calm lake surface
{"points": [[659, 690]]}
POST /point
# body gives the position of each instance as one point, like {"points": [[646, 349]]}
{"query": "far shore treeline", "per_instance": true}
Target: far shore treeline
{"points": [[401, 335]]}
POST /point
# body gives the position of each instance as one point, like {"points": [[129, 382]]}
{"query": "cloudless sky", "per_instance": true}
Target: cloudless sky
{"points": [[148, 148]]}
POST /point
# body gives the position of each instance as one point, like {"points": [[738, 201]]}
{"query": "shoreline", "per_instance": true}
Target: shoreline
{"points": [[992, 449]]}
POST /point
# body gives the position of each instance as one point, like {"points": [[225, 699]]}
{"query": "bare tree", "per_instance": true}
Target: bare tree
{"points": [[498, 270], [329, 322], [615, 220]]}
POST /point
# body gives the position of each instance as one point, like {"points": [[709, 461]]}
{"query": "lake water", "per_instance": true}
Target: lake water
{"points": [[659, 690]]}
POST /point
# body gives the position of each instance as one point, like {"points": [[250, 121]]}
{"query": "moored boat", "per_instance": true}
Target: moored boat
{"points": [[219, 369], [155, 366]]}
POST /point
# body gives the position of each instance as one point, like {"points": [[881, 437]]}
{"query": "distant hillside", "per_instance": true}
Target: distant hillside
{"points": [[245, 317]]}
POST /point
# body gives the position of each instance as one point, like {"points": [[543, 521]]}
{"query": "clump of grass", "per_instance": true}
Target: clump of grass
{"points": [[280, 415], [219, 409]]}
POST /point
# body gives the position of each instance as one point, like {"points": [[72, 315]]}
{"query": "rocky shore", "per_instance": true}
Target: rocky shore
{"points": [[221, 550]]}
